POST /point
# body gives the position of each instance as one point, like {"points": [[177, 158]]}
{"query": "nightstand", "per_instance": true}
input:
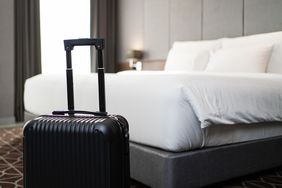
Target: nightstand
{"points": [[146, 65]]}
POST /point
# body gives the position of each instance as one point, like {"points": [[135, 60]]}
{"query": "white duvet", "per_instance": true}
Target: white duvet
{"points": [[237, 99], [172, 111]]}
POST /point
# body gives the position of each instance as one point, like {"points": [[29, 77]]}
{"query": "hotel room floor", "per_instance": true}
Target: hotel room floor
{"points": [[11, 168]]}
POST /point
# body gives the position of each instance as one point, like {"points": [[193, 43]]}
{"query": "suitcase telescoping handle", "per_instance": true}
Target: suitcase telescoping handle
{"points": [[99, 45]]}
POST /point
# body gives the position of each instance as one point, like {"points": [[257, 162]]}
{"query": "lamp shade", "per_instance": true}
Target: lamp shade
{"points": [[135, 54]]}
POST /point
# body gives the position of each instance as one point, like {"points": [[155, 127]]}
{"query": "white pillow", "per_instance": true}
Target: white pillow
{"points": [[187, 61], [248, 59], [275, 62], [190, 55], [252, 40]]}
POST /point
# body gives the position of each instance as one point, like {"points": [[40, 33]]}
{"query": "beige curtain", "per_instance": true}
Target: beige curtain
{"points": [[103, 25], [27, 48]]}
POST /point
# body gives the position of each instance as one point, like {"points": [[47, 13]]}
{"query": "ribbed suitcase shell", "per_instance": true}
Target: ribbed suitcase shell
{"points": [[76, 152]]}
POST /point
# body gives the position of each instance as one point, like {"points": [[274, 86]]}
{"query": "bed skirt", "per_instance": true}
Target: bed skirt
{"points": [[162, 169]]}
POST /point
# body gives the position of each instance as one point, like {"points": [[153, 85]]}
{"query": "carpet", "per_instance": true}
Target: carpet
{"points": [[11, 167]]}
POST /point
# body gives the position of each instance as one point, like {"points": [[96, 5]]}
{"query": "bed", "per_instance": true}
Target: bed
{"points": [[188, 128]]}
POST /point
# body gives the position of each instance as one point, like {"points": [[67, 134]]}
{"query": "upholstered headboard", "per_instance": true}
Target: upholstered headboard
{"points": [[153, 25]]}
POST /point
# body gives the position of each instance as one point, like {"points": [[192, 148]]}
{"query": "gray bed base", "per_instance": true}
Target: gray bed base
{"points": [[161, 169]]}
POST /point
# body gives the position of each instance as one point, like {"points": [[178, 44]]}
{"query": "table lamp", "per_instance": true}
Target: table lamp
{"points": [[133, 58]]}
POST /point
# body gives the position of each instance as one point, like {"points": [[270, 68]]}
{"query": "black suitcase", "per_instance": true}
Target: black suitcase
{"points": [[77, 149]]}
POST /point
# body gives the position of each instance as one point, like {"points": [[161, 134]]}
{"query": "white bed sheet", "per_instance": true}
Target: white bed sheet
{"points": [[152, 102]]}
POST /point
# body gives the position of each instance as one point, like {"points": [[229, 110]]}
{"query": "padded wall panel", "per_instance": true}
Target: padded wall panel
{"points": [[7, 60], [222, 18], [155, 24], [156, 28], [185, 20], [130, 30], [263, 16]]}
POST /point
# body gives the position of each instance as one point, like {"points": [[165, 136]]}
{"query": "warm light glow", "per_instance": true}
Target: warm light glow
{"points": [[64, 19], [137, 45]]}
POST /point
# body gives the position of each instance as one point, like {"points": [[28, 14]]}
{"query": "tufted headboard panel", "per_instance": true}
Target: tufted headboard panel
{"points": [[153, 25]]}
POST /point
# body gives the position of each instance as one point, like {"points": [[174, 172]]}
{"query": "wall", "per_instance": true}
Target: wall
{"points": [[6, 61], [153, 25]]}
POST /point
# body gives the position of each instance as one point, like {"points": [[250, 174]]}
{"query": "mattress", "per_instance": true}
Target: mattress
{"points": [[153, 104]]}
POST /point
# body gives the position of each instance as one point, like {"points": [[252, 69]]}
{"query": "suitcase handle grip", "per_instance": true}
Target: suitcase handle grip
{"points": [[72, 112], [99, 45]]}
